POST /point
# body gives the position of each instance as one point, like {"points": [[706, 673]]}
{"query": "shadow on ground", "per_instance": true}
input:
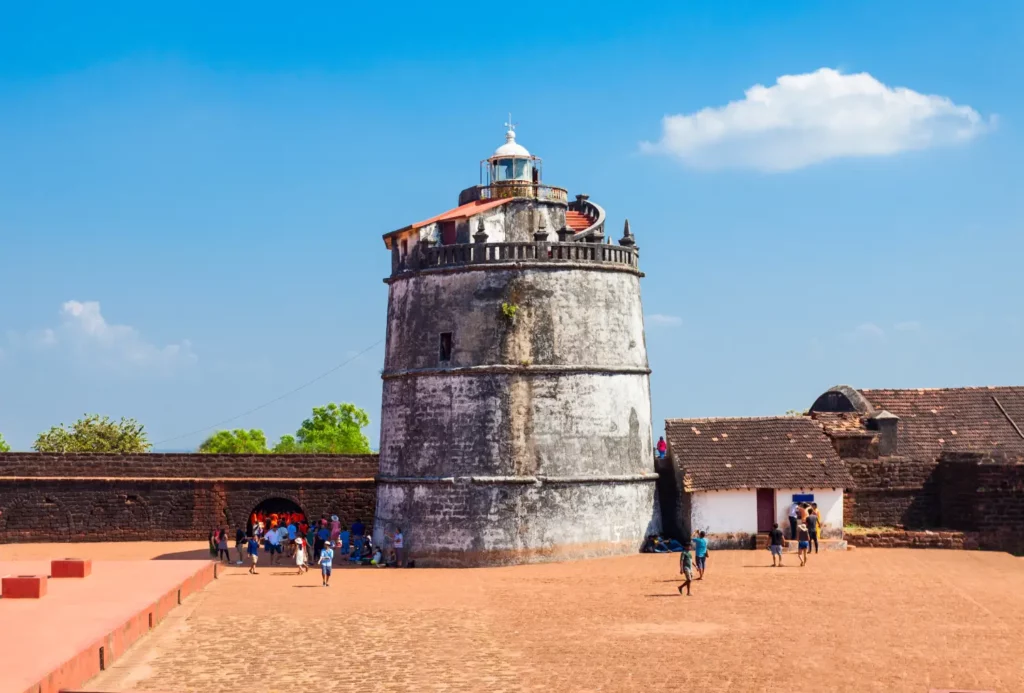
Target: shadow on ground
{"points": [[195, 555]]}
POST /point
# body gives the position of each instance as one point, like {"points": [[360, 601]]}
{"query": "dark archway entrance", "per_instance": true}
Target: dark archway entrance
{"points": [[283, 510]]}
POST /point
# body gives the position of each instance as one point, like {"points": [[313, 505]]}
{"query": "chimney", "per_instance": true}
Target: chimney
{"points": [[888, 433]]}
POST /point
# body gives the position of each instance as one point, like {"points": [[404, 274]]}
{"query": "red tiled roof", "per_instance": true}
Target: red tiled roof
{"points": [[958, 419], [461, 212], [744, 453]]}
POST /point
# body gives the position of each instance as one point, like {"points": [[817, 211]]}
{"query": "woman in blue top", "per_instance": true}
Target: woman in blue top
{"points": [[700, 550]]}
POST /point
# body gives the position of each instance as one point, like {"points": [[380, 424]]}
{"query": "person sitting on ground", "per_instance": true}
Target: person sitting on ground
{"points": [[367, 553], [378, 558]]}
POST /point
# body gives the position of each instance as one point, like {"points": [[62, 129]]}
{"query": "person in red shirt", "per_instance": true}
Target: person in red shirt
{"points": [[662, 447]]}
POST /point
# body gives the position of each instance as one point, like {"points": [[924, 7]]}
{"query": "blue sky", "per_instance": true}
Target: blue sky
{"points": [[217, 180]]}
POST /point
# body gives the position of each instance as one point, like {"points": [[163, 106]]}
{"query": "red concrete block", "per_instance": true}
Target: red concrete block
{"points": [[70, 568], [23, 586]]}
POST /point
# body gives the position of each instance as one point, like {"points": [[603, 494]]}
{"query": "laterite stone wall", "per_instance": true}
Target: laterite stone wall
{"points": [[171, 496]]}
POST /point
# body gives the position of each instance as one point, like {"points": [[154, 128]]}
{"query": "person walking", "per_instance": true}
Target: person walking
{"points": [[254, 554], [273, 545], [326, 563], [700, 550], [240, 545], [300, 555], [813, 528], [794, 512], [222, 546], [776, 541], [686, 569], [803, 541], [662, 447]]}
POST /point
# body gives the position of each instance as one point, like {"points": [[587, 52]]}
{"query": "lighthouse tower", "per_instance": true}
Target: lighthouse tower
{"points": [[516, 413]]}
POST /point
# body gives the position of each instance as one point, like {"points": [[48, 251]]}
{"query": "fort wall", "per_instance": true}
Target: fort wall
{"points": [[154, 497]]}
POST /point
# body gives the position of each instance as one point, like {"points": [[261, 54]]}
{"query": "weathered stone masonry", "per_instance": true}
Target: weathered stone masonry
{"points": [[170, 496]]}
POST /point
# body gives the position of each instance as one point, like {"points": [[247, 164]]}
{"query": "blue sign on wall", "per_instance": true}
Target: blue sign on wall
{"points": [[803, 497]]}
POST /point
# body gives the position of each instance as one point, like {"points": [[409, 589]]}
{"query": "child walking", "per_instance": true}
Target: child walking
{"points": [[326, 563], [686, 568], [254, 554], [300, 555]]}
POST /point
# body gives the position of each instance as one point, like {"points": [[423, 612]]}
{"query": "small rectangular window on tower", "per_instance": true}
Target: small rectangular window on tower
{"points": [[445, 350]]}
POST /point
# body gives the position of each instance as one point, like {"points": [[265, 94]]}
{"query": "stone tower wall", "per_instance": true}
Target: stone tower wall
{"points": [[533, 442]]}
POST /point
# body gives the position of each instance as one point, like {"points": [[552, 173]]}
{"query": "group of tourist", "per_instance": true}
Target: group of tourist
{"points": [[804, 526], [322, 543]]}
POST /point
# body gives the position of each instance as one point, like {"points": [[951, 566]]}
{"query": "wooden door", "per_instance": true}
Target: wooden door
{"points": [[765, 509]]}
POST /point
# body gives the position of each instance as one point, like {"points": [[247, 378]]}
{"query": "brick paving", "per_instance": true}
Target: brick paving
{"points": [[865, 620]]}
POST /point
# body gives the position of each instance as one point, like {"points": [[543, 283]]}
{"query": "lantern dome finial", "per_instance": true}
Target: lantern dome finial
{"points": [[511, 147]]}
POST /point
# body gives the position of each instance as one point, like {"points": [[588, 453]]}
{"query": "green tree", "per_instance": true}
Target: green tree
{"points": [[335, 428], [237, 441], [287, 444], [93, 433], [4, 447]]}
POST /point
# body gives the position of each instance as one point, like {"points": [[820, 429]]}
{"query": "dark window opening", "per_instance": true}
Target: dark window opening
{"points": [[404, 249], [448, 233], [446, 346]]}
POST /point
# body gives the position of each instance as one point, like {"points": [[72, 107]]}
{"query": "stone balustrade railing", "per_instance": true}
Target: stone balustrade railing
{"points": [[431, 257]]}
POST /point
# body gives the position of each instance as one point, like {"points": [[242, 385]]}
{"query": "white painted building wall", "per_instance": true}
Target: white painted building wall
{"points": [[830, 505], [723, 512]]}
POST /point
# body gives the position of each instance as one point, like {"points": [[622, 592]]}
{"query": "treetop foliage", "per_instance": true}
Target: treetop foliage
{"points": [[93, 433]]}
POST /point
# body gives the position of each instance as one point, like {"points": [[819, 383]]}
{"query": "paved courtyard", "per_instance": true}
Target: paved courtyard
{"points": [[864, 620]]}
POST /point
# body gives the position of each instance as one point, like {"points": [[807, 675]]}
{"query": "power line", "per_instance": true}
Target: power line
{"points": [[276, 399]]}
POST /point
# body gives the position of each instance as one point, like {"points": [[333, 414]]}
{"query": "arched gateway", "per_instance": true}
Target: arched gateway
{"points": [[275, 508]]}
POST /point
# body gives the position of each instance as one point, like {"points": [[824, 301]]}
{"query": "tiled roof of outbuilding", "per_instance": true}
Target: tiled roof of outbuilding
{"points": [[741, 453], [958, 419]]}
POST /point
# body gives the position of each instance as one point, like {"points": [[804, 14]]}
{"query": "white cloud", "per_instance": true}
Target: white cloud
{"points": [[868, 331], [85, 333], [908, 326], [659, 319], [809, 118]]}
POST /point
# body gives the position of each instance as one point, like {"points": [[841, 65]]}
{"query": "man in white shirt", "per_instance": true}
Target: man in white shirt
{"points": [[274, 540], [794, 512]]}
